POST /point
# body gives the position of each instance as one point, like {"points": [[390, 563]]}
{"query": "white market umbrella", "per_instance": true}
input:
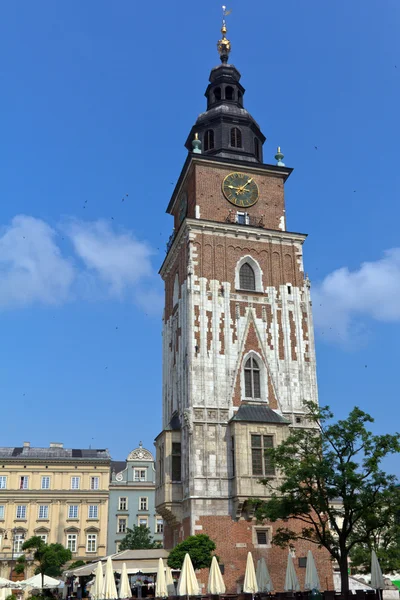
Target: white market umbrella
{"points": [[263, 577], [216, 583], [291, 581], [4, 592], [312, 580], [109, 587], [96, 590], [250, 581], [124, 585], [170, 582], [7, 583], [36, 582], [161, 583], [377, 581], [187, 584]]}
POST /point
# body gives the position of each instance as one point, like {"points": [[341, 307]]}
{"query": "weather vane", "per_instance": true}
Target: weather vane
{"points": [[224, 45]]}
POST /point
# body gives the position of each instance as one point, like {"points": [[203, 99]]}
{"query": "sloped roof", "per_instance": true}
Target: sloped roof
{"points": [[27, 452], [257, 413]]}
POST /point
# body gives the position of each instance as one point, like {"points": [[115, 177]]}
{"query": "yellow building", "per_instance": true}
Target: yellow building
{"points": [[57, 493]]}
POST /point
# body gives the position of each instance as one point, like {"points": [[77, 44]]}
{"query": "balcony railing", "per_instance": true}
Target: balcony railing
{"points": [[242, 218]]}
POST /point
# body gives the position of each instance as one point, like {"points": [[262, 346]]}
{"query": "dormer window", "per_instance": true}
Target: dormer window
{"points": [[236, 138], [208, 140], [229, 92]]}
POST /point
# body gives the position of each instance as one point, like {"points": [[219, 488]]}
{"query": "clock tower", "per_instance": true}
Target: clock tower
{"points": [[238, 348]]}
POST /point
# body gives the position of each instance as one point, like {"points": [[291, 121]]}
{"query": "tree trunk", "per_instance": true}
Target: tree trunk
{"points": [[344, 575]]}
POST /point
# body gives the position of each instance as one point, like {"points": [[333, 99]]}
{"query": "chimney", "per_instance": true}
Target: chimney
{"points": [[27, 444], [56, 445]]}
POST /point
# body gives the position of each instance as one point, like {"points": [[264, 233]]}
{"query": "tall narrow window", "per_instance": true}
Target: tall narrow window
{"points": [[236, 138], [208, 140], [21, 511], [75, 483], [23, 482], [233, 455], [176, 461], [94, 483], [217, 94], [91, 542], [1, 512], [261, 463], [257, 148], [247, 279], [121, 525], [45, 483], [143, 503], [43, 512], [72, 539], [252, 378], [229, 92], [123, 503], [73, 511], [3, 482], [93, 511]]}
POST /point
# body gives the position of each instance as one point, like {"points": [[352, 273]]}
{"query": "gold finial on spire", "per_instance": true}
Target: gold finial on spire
{"points": [[224, 45]]}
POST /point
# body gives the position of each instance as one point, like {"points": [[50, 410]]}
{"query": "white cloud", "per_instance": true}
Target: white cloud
{"points": [[345, 297], [116, 258], [32, 269], [104, 262]]}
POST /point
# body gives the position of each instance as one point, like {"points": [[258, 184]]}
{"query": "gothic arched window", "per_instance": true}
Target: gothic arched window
{"points": [[229, 92], [236, 138], [247, 279], [252, 379], [208, 140]]}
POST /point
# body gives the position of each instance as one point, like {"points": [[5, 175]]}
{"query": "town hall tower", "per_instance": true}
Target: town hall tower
{"points": [[238, 347]]}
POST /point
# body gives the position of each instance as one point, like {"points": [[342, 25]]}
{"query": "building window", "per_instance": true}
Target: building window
{"points": [[2, 512], [122, 503], [3, 482], [23, 482], [43, 537], [72, 539], [75, 483], [45, 483], [93, 511], [143, 503], [159, 525], [247, 279], [21, 512], [176, 461], [243, 219], [261, 536], [121, 525], [208, 140], [236, 138], [73, 511], [233, 455], [217, 94], [94, 483], [261, 464], [140, 474], [229, 92], [143, 522], [252, 378], [43, 511], [257, 148], [117, 545], [91, 542], [19, 539]]}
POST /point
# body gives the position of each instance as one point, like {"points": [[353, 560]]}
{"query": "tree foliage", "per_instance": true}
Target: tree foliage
{"points": [[326, 462], [138, 538], [199, 547], [76, 564], [49, 558]]}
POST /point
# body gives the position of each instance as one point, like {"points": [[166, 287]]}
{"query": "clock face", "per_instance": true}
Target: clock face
{"points": [[182, 207], [240, 189]]}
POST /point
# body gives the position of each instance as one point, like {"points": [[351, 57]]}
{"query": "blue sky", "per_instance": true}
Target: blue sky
{"points": [[97, 100]]}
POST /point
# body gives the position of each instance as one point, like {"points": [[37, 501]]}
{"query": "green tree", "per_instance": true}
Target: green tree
{"points": [[76, 564], [199, 547], [49, 558], [329, 461], [137, 538]]}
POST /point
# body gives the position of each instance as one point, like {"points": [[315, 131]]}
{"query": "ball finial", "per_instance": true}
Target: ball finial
{"points": [[279, 157]]}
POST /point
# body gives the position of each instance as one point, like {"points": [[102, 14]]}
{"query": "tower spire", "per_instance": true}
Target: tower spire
{"points": [[224, 45]]}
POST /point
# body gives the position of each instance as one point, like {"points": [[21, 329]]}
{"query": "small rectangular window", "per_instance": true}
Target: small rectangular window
{"points": [[302, 562], [75, 483], [176, 462], [93, 511], [3, 482], [23, 482], [43, 511], [262, 537], [94, 483], [242, 218], [143, 503], [159, 525], [73, 511], [123, 503], [2, 512], [121, 525], [140, 474], [142, 521], [21, 511], [72, 541], [45, 483]]}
